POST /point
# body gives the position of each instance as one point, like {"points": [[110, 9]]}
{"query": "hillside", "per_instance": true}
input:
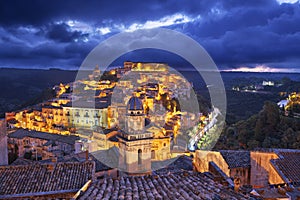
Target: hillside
{"points": [[21, 87], [268, 129]]}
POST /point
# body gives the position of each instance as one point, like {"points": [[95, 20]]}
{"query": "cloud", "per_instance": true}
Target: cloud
{"points": [[287, 1], [16, 12], [235, 33], [263, 68], [175, 19], [248, 35], [103, 30], [62, 33]]}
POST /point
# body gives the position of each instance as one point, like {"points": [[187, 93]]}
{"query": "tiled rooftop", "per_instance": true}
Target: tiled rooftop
{"points": [[174, 165], [236, 159], [80, 157], [179, 186], [288, 165], [99, 103], [22, 161], [21, 133], [41, 179]]}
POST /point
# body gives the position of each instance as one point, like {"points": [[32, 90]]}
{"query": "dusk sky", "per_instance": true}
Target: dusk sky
{"points": [[257, 34]]}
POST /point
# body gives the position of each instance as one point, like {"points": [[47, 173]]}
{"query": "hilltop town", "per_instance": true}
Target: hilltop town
{"points": [[92, 112], [126, 133]]}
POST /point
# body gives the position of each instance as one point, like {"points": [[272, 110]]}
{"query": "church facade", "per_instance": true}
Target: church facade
{"points": [[135, 142]]}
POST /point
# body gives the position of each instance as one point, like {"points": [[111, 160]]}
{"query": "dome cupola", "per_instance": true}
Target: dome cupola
{"points": [[135, 106]]}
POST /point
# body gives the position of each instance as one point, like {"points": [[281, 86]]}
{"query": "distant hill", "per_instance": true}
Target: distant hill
{"points": [[19, 86]]}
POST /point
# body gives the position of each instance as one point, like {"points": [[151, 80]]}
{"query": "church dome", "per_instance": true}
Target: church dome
{"points": [[135, 103]]}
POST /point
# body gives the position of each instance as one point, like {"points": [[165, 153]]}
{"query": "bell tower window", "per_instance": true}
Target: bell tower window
{"points": [[139, 157]]}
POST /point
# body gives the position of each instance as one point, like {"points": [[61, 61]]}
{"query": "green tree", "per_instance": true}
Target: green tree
{"points": [[267, 122], [252, 144]]}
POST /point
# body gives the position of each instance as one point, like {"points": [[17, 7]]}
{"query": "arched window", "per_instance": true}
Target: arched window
{"points": [[152, 154], [139, 157]]}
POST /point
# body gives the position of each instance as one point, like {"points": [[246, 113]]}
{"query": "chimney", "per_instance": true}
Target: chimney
{"points": [[54, 160], [237, 183], [51, 165]]}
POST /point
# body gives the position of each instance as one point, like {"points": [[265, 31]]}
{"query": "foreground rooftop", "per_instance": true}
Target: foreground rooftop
{"points": [[38, 180], [182, 185], [22, 133]]}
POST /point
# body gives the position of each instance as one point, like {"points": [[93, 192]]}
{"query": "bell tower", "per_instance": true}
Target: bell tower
{"points": [[135, 143], [135, 117]]}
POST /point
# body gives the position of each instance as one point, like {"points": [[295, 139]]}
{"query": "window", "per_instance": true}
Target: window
{"points": [[132, 137], [152, 154], [139, 157]]}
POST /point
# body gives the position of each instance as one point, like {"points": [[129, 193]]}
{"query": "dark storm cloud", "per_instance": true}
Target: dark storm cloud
{"points": [[233, 4], [36, 33], [62, 33], [35, 12], [250, 35]]}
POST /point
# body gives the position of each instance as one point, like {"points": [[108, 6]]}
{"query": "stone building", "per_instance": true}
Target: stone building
{"points": [[262, 168], [262, 171], [103, 138], [135, 143], [287, 166], [42, 145], [235, 164]]}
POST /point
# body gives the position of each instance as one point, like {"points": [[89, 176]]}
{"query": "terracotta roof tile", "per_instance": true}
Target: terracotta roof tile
{"points": [[236, 159], [185, 185], [21, 133], [288, 165], [40, 178]]}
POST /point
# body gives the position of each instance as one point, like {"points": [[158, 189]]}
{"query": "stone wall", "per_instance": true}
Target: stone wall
{"points": [[262, 171], [202, 159], [3, 143]]}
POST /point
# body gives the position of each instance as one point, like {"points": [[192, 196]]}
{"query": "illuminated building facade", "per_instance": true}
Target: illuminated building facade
{"points": [[81, 117], [135, 144], [41, 145]]}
